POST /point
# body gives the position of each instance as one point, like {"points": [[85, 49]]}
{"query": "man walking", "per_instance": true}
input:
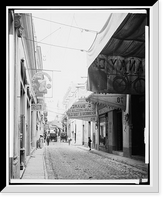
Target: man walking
{"points": [[48, 140], [89, 143]]}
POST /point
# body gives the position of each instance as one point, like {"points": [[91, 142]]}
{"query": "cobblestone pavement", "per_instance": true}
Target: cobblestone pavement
{"points": [[65, 161]]}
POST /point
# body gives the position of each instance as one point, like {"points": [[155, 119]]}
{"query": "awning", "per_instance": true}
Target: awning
{"points": [[55, 123], [82, 110], [120, 65], [115, 101], [109, 28]]}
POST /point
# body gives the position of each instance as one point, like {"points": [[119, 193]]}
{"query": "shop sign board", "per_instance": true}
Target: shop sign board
{"points": [[36, 107], [118, 76], [111, 101], [82, 110], [41, 82]]}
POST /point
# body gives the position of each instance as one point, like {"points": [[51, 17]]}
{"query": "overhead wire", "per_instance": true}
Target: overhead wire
{"points": [[50, 34], [53, 45], [76, 27], [54, 112], [71, 26], [64, 54]]}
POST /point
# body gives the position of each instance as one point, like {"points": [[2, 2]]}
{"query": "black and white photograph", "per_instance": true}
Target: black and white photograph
{"points": [[80, 90]]}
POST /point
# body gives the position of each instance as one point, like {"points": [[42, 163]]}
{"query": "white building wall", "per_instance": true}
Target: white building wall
{"points": [[79, 132]]}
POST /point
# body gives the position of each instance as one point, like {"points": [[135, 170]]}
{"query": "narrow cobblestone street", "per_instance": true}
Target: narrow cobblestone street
{"points": [[65, 161]]}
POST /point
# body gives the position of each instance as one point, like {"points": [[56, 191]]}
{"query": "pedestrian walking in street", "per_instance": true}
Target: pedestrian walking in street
{"points": [[69, 140], [48, 140], [37, 144], [89, 143]]}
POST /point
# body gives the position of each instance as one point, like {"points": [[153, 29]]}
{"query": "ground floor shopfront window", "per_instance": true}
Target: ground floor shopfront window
{"points": [[103, 136]]}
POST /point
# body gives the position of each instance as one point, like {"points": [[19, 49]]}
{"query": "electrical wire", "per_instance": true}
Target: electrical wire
{"points": [[48, 110], [64, 55], [76, 27], [50, 34], [53, 45], [71, 26]]}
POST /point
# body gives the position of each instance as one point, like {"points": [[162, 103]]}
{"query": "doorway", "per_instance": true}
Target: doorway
{"points": [[118, 131], [138, 122]]}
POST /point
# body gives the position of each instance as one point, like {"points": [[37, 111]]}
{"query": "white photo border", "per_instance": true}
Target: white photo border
{"points": [[152, 132]]}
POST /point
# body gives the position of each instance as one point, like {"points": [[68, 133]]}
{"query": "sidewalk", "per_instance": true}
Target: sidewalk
{"points": [[36, 166], [129, 161]]}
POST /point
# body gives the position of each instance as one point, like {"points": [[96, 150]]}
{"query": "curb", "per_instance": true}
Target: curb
{"points": [[44, 165], [27, 161]]}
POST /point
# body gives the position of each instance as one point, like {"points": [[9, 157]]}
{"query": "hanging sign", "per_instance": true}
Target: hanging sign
{"points": [[117, 75], [36, 107], [111, 101], [82, 110], [41, 82]]}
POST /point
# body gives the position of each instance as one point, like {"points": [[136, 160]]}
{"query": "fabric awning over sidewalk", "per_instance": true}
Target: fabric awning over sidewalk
{"points": [[110, 100], [123, 53], [111, 25], [82, 110]]}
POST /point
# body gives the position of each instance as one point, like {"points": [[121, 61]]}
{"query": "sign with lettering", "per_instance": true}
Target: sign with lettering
{"points": [[41, 82], [82, 110], [36, 107], [113, 101], [117, 75]]}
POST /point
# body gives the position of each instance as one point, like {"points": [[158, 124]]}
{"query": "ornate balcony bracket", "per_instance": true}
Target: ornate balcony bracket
{"points": [[18, 24]]}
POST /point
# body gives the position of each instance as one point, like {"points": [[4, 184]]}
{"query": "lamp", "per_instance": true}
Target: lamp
{"points": [[127, 117]]}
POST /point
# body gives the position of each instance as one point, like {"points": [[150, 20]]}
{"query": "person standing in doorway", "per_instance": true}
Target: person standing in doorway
{"points": [[89, 143]]}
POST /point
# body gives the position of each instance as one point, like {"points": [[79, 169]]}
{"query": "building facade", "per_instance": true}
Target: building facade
{"points": [[76, 128], [119, 127], [116, 76], [25, 123], [116, 65]]}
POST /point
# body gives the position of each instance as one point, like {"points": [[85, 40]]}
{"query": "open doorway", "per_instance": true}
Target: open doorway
{"points": [[138, 122], [118, 133]]}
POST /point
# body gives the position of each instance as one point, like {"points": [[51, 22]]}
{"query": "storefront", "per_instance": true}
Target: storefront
{"points": [[116, 65], [110, 109], [81, 116]]}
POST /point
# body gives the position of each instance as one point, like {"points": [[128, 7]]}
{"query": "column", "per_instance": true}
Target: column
{"points": [[13, 103], [127, 128], [68, 128], [89, 129], [28, 130], [110, 132], [16, 118], [93, 134], [24, 126], [83, 132], [97, 128], [33, 128]]}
